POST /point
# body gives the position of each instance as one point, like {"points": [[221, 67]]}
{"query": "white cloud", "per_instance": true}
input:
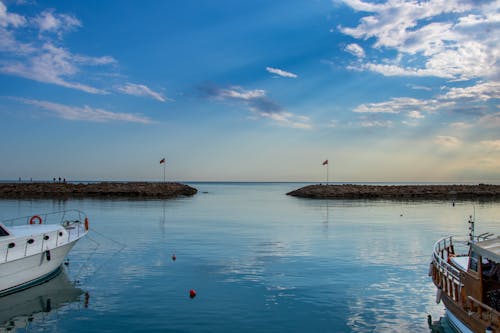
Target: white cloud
{"points": [[355, 50], [482, 92], [86, 113], [240, 93], [49, 21], [11, 19], [281, 72], [51, 64], [376, 123], [398, 105], [415, 115], [43, 59], [417, 87], [447, 141], [460, 125], [491, 144], [451, 39], [141, 90], [468, 100]]}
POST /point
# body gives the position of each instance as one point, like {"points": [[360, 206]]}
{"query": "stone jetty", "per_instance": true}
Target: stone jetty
{"points": [[139, 190], [400, 192]]}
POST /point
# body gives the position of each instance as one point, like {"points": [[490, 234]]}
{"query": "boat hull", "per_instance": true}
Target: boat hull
{"points": [[457, 317], [32, 270]]}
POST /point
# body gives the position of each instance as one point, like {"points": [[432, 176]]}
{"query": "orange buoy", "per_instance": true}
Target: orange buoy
{"points": [[35, 218], [86, 223], [192, 293]]}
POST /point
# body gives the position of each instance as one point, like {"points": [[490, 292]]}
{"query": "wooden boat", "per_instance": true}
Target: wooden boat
{"points": [[467, 275], [32, 250]]}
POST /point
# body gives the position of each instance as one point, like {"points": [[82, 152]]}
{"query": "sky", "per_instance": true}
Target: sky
{"points": [[386, 91]]}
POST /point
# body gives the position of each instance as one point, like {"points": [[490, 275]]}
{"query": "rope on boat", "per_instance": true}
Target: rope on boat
{"points": [[86, 263]]}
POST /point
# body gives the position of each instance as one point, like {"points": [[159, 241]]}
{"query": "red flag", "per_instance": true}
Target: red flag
{"points": [[325, 162], [162, 160]]}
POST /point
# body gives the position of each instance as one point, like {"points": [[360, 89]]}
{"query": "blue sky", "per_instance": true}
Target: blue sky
{"points": [[250, 90]]}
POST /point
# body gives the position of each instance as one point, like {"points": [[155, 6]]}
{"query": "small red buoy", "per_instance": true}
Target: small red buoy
{"points": [[174, 257], [192, 293]]}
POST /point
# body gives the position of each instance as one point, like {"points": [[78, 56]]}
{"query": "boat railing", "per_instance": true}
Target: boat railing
{"points": [[443, 251], [74, 221], [58, 217], [446, 276], [484, 311]]}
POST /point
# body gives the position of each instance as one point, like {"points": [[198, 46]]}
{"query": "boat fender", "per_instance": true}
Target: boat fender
{"points": [[35, 218], [47, 255], [86, 223], [439, 293]]}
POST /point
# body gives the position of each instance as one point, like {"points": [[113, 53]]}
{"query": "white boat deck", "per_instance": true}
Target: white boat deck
{"points": [[461, 262], [30, 230]]}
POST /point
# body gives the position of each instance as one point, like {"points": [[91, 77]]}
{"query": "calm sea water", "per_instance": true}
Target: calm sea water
{"points": [[259, 261]]}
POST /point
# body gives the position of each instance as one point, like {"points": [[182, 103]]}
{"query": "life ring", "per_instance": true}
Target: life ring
{"points": [[34, 218]]}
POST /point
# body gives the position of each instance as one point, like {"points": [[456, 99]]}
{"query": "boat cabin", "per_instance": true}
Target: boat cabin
{"points": [[484, 267]]}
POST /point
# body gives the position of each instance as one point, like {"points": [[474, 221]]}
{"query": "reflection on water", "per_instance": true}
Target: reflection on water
{"points": [[260, 261], [439, 326], [23, 308]]}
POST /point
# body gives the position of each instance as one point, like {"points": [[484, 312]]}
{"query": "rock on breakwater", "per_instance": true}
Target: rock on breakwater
{"points": [[140, 190], [399, 192]]}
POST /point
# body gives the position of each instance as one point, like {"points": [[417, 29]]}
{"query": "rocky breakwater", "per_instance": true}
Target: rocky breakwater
{"points": [[139, 190], [400, 192]]}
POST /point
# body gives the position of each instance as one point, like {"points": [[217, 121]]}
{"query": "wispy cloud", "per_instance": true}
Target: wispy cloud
{"points": [[141, 90], [86, 113], [417, 87], [490, 120], [448, 38], [491, 144], [259, 104], [447, 141], [355, 50], [398, 105], [50, 21], [281, 72], [52, 64], [376, 123], [42, 59]]}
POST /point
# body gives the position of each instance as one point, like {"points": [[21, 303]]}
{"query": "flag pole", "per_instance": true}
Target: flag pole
{"points": [[327, 167], [162, 161]]}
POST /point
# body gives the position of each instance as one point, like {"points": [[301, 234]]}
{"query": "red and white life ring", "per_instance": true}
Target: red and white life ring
{"points": [[35, 218]]}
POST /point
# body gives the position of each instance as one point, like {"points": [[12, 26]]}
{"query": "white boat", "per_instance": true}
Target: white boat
{"points": [[467, 275], [33, 248]]}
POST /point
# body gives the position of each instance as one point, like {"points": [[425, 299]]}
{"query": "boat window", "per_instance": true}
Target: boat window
{"points": [[474, 259], [3, 232]]}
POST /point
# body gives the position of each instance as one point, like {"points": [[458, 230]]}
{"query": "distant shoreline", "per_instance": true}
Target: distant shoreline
{"points": [[399, 192], [61, 190]]}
